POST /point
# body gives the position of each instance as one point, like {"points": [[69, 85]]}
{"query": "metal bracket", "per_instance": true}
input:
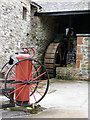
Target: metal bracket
{"points": [[11, 102]]}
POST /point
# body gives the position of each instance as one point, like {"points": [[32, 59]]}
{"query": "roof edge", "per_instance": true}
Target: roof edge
{"points": [[62, 13]]}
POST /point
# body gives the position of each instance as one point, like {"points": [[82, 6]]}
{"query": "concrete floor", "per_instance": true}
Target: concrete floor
{"points": [[65, 99]]}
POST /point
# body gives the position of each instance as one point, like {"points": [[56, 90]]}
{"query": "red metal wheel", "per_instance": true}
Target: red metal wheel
{"points": [[30, 82]]}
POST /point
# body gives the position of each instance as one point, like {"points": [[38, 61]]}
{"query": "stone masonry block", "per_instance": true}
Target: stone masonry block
{"points": [[79, 56], [78, 49], [78, 64], [80, 40], [88, 67]]}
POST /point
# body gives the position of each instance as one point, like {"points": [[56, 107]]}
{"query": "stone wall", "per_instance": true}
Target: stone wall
{"points": [[39, 32], [83, 55], [17, 32], [82, 67], [42, 33], [14, 29]]}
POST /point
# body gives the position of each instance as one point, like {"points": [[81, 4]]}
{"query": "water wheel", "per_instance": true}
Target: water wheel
{"points": [[54, 56]]}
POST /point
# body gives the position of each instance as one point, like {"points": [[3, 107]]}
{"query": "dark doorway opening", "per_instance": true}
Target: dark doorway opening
{"points": [[62, 23]]}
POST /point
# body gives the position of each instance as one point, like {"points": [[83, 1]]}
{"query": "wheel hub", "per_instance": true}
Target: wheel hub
{"points": [[28, 82]]}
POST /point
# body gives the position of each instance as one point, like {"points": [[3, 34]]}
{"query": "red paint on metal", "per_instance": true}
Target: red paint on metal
{"points": [[23, 70]]}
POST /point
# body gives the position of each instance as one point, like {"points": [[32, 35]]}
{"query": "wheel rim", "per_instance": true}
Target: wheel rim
{"points": [[35, 86], [3, 72]]}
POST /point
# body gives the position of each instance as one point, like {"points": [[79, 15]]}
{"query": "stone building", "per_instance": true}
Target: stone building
{"points": [[65, 22], [40, 23], [14, 27]]}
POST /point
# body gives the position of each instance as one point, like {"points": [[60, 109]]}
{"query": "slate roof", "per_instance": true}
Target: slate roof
{"points": [[63, 5]]}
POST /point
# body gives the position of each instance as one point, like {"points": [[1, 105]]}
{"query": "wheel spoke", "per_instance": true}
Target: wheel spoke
{"points": [[38, 76], [36, 71], [13, 84], [1, 80], [11, 77], [29, 94], [7, 85], [39, 86], [8, 81], [3, 73], [16, 89], [38, 81], [20, 92], [31, 71], [7, 67], [37, 91], [33, 94], [10, 85], [16, 83], [24, 94], [11, 71]]}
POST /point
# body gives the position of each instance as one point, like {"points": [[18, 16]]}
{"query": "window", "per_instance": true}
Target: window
{"points": [[24, 13]]}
